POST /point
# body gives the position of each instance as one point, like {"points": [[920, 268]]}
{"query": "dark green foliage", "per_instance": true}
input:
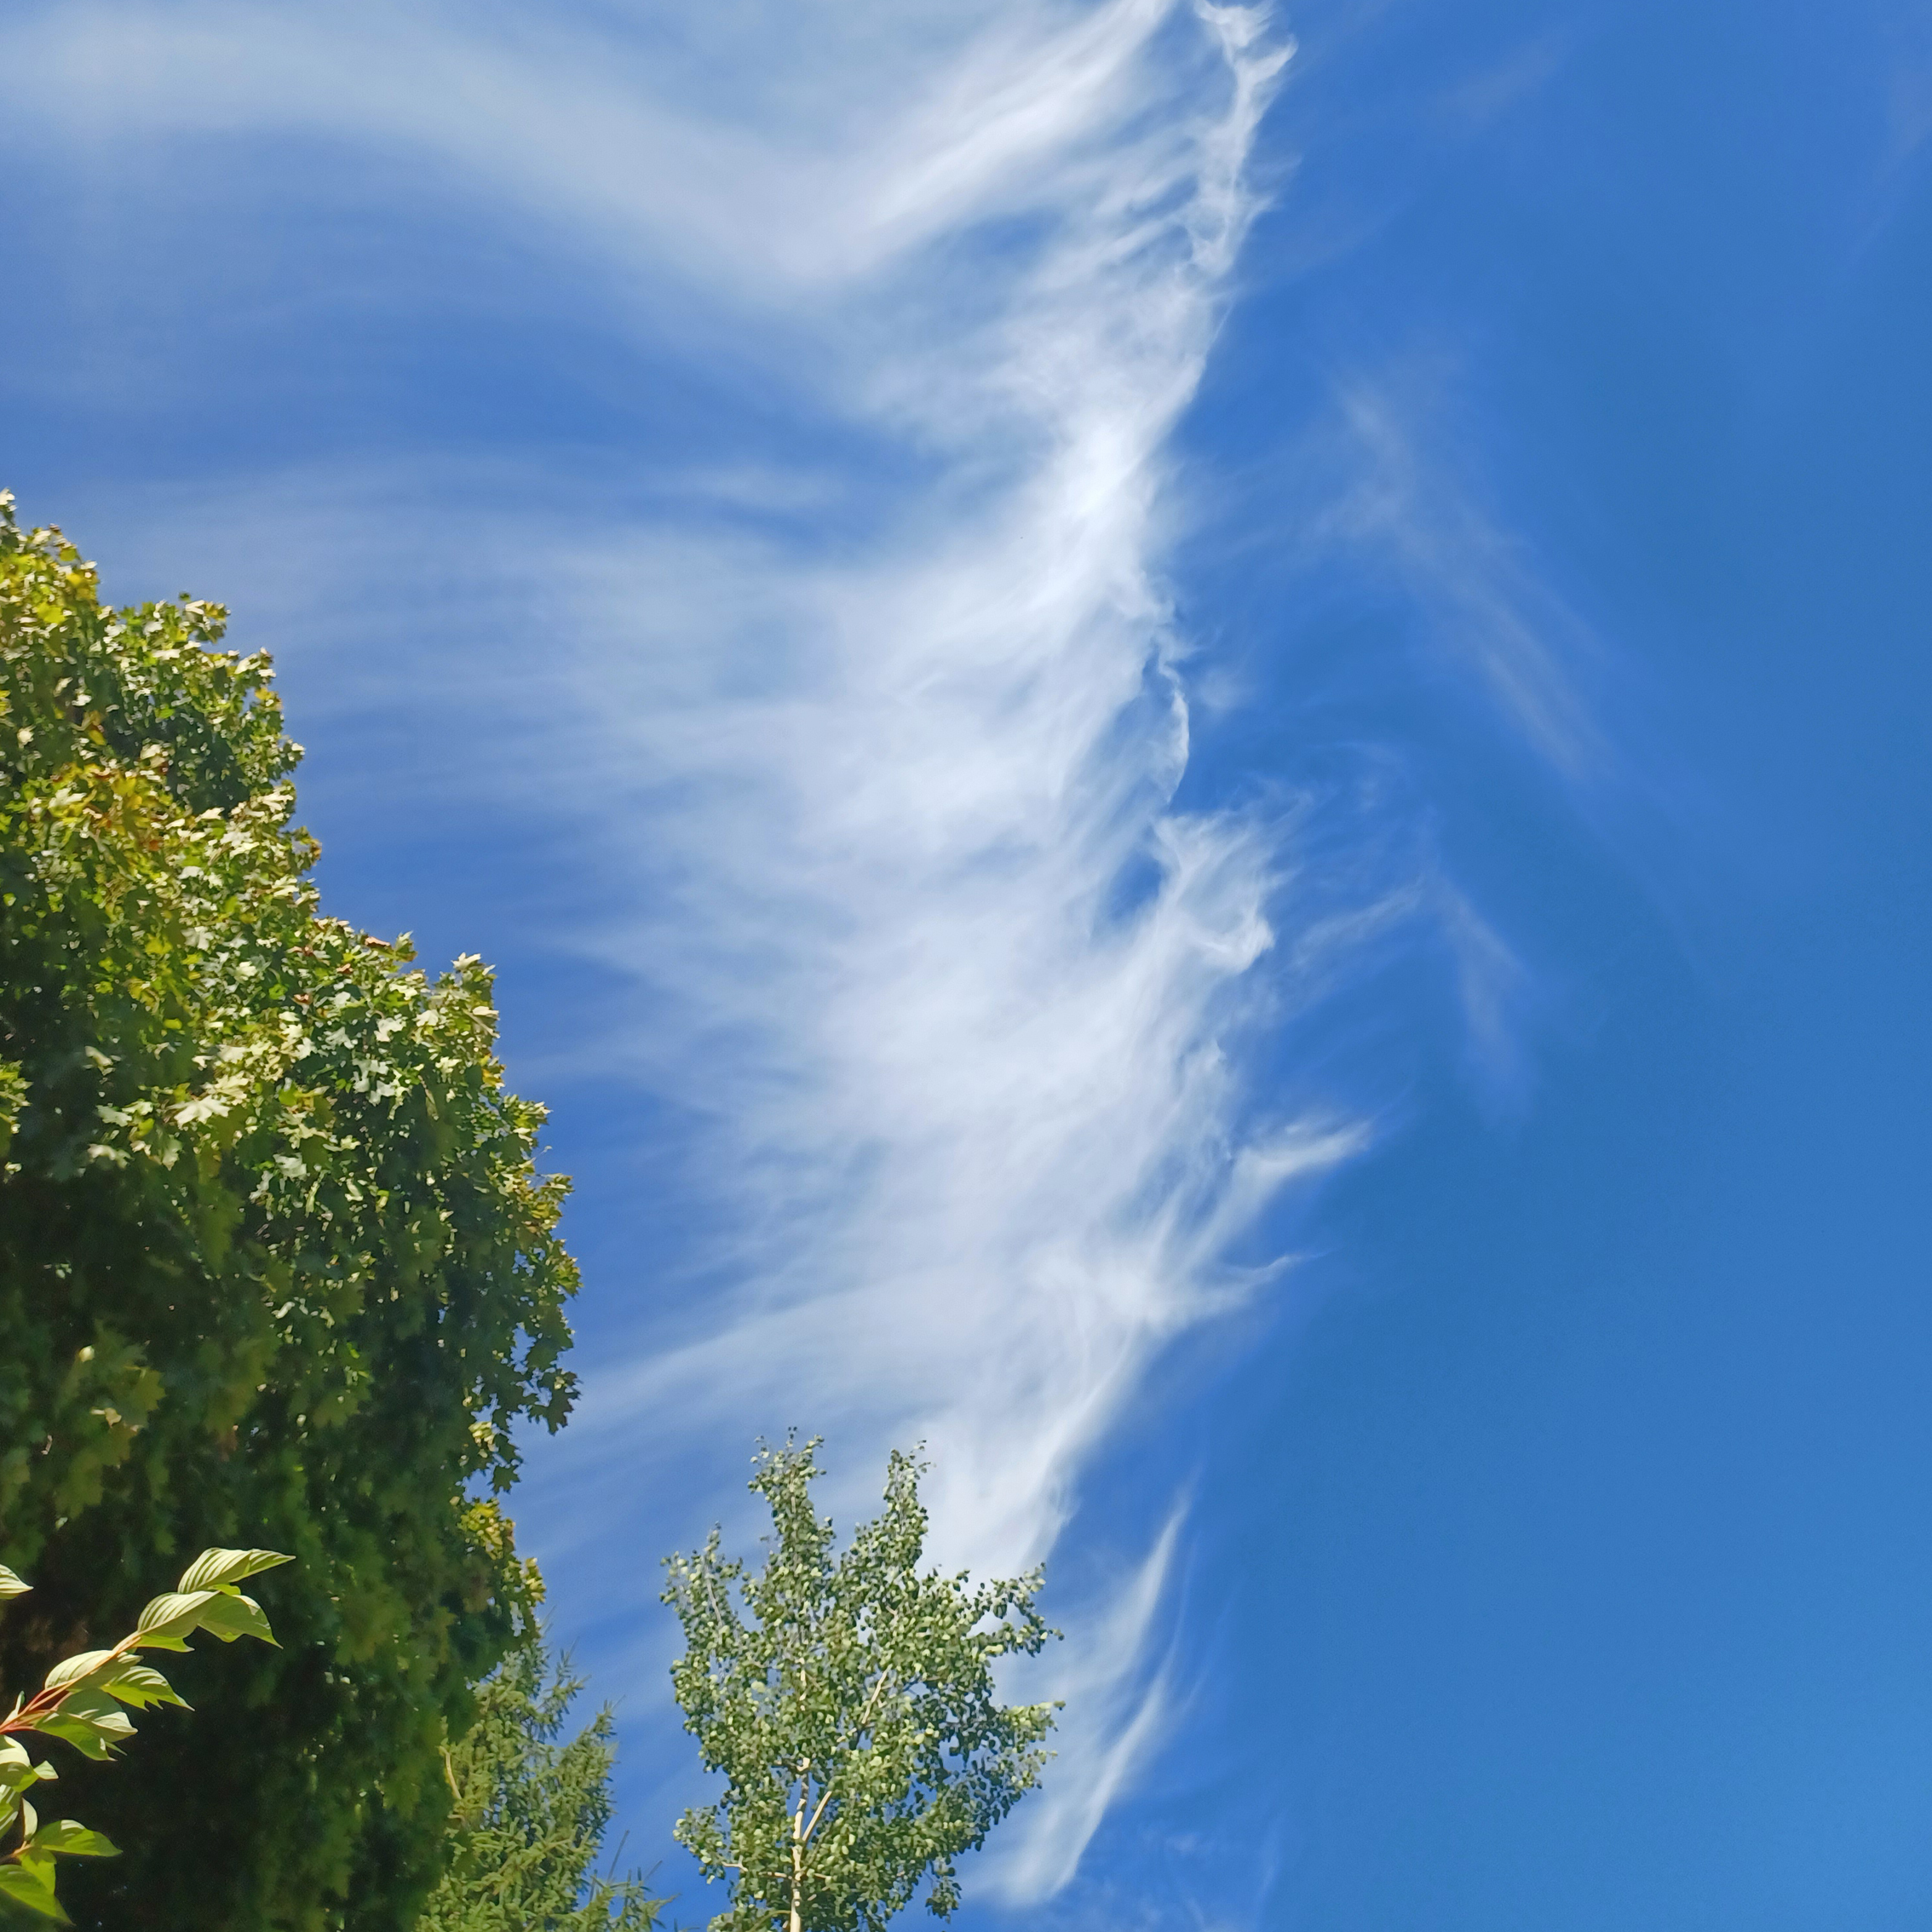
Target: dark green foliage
{"points": [[531, 1814], [275, 1267]]}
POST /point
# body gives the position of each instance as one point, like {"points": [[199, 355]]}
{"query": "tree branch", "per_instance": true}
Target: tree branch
{"points": [[858, 1730]]}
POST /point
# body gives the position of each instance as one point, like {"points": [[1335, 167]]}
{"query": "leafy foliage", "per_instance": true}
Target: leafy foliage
{"points": [[531, 1814], [850, 1706], [273, 1254], [81, 1704]]}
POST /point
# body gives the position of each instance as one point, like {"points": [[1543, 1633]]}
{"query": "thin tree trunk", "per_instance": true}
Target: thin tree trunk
{"points": [[798, 1855]]}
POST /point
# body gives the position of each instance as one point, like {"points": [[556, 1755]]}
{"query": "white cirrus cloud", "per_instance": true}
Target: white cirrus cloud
{"points": [[873, 813]]}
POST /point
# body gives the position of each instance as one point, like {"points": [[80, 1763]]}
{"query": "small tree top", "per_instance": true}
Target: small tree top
{"points": [[848, 1701], [531, 1812]]}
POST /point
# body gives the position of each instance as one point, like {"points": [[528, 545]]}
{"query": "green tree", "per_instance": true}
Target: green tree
{"points": [[85, 1702], [275, 1264], [531, 1813], [850, 1706]]}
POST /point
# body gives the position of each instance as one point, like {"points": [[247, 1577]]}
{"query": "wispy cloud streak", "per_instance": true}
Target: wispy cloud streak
{"points": [[957, 982], [950, 989]]}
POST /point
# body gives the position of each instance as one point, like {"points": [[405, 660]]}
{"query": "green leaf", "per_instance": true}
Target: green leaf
{"points": [[137, 1685], [168, 1621], [85, 1739], [11, 1585], [25, 1885], [76, 1841], [214, 1568], [81, 1664], [17, 1770], [92, 1723], [229, 1617]]}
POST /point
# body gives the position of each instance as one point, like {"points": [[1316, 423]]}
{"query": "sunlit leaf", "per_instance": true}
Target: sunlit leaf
{"points": [[71, 1669], [168, 1621], [91, 1722], [71, 1840], [29, 1886], [139, 1686], [214, 1568], [237, 1616]]}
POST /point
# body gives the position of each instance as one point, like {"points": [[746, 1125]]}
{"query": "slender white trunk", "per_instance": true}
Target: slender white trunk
{"points": [[798, 1850]]}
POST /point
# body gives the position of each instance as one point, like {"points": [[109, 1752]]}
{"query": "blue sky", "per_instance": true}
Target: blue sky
{"points": [[1195, 745]]}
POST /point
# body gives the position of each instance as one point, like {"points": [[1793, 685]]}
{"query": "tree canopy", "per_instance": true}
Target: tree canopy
{"points": [[531, 1813], [276, 1268], [848, 1701]]}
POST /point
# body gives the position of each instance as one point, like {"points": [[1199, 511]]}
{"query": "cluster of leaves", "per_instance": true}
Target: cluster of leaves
{"points": [[531, 1814], [273, 1254], [85, 1701], [848, 1701]]}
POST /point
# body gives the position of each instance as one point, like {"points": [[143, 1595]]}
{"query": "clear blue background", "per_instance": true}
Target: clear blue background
{"points": [[1561, 1558], [1591, 1522]]}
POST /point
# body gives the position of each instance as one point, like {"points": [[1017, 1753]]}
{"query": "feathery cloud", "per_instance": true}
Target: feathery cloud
{"points": [[871, 806]]}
